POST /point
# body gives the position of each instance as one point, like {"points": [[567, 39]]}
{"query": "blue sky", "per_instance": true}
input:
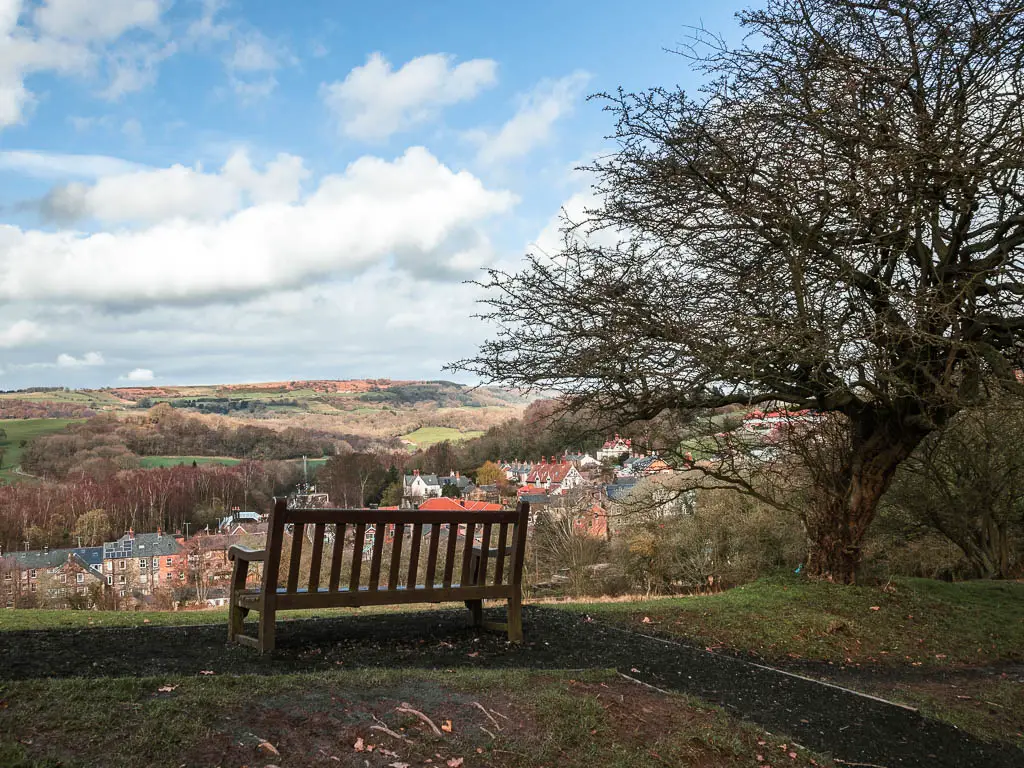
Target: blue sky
{"points": [[195, 191]]}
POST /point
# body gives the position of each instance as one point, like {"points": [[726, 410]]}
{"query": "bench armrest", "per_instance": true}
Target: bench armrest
{"points": [[236, 552]]}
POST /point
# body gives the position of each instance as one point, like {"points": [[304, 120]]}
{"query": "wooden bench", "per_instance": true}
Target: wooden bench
{"points": [[437, 566]]}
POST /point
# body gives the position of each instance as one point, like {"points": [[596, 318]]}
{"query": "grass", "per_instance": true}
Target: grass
{"points": [[19, 430], [41, 618], [917, 622], [150, 462], [424, 437], [531, 719]]}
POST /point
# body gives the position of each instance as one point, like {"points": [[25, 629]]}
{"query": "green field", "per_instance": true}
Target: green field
{"points": [[19, 430], [424, 437], [149, 462]]}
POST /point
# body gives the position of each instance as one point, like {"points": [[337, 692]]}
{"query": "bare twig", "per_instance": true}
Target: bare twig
{"points": [[384, 729], [409, 710], [487, 732], [490, 717]]}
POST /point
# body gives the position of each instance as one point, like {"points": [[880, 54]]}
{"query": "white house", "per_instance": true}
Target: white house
{"points": [[421, 486]]}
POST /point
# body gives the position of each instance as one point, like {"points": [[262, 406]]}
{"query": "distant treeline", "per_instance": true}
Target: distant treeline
{"points": [[105, 444], [224, 405], [445, 393], [31, 409], [99, 509]]}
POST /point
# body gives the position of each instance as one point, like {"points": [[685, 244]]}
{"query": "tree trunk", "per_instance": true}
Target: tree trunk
{"points": [[848, 490]]}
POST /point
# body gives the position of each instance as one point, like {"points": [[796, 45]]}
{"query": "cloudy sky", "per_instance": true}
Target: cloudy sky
{"points": [[203, 191]]}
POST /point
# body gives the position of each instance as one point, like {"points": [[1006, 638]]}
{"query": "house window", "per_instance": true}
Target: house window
{"points": [[7, 576], [80, 578], [32, 573], [169, 562], [120, 579], [121, 564], [63, 578], [109, 565], [156, 576], [110, 580], [122, 593], [143, 562], [156, 562], [34, 587]]}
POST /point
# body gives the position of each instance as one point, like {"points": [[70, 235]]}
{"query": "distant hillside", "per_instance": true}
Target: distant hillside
{"points": [[373, 408]]}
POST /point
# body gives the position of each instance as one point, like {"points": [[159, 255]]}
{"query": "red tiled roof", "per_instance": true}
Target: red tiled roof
{"points": [[444, 504]]}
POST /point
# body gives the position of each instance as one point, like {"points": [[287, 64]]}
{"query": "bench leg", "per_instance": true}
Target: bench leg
{"points": [[268, 616], [237, 614], [476, 609], [515, 618]]}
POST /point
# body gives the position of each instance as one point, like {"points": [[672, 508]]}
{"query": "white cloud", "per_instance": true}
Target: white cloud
{"points": [[88, 360], [531, 126], [254, 53], [151, 196], [413, 209], [132, 129], [206, 28], [21, 333], [133, 68], [55, 165], [373, 101], [93, 20], [140, 374], [69, 37]]}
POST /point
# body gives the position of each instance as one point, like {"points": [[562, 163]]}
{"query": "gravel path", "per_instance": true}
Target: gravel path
{"points": [[851, 727]]}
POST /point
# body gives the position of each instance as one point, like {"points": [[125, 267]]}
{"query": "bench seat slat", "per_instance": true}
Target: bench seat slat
{"points": [[364, 596], [401, 516]]}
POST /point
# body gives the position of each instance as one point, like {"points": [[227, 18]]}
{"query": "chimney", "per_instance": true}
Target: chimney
{"points": [[415, 472], [456, 474], [131, 533], [159, 532]]}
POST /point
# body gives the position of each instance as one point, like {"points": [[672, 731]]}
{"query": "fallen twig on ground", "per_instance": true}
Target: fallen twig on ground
{"points": [[490, 717], [407, 709]]}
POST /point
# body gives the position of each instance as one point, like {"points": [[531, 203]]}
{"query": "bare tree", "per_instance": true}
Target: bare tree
{"points": [[832, 222]]}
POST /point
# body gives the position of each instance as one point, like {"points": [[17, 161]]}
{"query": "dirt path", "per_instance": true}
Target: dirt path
{"points": [[853, 728]]}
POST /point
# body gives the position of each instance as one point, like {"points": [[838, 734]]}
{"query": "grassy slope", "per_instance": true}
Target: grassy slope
{"points": [[24, 429], [424, 437], [913, 621], [30, 618], [539, 718], [919, 625]]}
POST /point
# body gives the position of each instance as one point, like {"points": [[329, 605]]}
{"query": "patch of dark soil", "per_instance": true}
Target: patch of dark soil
{"points": [[850, 727]]}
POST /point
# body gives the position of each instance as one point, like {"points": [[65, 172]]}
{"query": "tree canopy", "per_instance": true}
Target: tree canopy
{"points": [[833, 221]]}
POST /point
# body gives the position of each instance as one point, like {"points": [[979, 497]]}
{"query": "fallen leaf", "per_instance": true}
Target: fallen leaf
{"points": [[876, 608], [446, 726], [940, 655], [398, 765], [646, 620], [166, 688], [792, 755], [268, 747], [454, 762], [359, 746], [474, 654], [207, 672]]}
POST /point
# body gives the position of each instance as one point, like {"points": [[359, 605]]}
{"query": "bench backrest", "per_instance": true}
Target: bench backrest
{"points": [[345, 549]]}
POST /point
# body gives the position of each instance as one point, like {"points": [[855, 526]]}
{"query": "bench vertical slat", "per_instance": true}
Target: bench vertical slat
{"points": [[414, 555], [317, 558], [378, 552], [449, 560], [357, 557], [435, 540], [485, 545], [298, 534], [467, 555], [499, 560], [336, 555], [396, 556]]}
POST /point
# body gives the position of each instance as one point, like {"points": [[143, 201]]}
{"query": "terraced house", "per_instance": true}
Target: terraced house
{"points": [[143, 562], [56, 578]]}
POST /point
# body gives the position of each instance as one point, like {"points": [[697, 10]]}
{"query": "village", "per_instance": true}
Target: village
{"points": [[596, 493]]}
